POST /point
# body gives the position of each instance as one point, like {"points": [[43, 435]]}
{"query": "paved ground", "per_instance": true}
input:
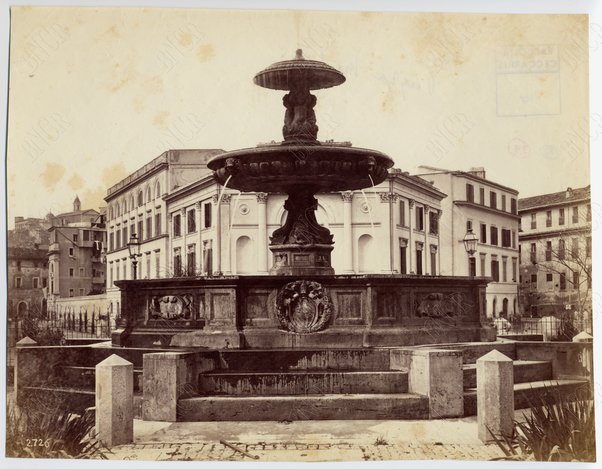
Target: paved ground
{"points": [[331, 440]]}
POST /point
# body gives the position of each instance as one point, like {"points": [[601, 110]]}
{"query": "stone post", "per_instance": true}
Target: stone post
{"points": [[437, 374], [262, 233], [495, 395], [587, 358], [115, 401]]}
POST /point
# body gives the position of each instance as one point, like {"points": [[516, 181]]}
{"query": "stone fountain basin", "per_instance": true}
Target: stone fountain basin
{"points": [[294, 167]]}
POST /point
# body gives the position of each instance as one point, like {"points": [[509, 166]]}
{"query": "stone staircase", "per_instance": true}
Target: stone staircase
{"points": [[298, 384]]}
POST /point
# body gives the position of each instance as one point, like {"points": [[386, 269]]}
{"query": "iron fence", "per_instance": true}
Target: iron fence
{"points": [[80, 322], [552, 328]]}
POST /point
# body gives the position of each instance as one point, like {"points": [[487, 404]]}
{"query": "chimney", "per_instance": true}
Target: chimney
{"points": [[478, 171], [569, 192]]}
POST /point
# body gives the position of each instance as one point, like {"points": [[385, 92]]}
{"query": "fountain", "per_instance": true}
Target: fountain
{"points": [[302, 303], [300, 166]]}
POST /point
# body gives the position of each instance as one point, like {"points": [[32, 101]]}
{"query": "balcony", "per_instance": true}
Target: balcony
{"points": [[54, 248]]}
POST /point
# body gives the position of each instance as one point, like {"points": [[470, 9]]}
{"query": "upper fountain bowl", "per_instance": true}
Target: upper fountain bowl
{"points": [[288, 74], [288, 168]]}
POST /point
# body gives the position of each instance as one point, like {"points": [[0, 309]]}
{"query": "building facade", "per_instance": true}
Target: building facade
{"points": [[27, 281], [489, 210], [556, 253], [137, 205], [75, 254]]}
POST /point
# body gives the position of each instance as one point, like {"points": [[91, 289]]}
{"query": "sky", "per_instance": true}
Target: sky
{"points": [[97, 93]]}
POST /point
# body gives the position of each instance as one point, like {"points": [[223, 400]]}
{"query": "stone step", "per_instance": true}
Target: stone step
{"points": [[304, 359], [309, 407], [531, 393], [71, 398], [85, 377], [302, 382], [524, 371]]}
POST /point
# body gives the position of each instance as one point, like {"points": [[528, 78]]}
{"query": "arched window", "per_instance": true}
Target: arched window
{"points": [[131, 204], [157, 190], [505, 307], [124, 207], [149, 196], [110, 212], [140, 199], [245, 256], [366, 255], [494, 311]]}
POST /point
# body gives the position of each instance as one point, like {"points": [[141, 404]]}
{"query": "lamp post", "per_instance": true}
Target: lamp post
{"points": [[470, 244], [134, 250]]}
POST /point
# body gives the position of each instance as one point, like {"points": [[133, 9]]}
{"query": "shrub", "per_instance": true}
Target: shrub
{"points": [[560, 431], [50, 431]]}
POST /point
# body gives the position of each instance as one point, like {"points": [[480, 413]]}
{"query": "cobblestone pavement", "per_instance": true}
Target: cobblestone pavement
{"points": [[294, 451]]}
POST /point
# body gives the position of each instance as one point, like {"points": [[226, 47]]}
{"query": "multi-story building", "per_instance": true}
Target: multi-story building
{"points": [[187, 226], [136, 205], [556, 252], [75, 254], [27, 280], [489, 210]]}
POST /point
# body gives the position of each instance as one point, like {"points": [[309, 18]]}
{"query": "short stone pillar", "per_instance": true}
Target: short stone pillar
{"points": [[587, 357], [26, 342], [115, 401], [495, 395]]}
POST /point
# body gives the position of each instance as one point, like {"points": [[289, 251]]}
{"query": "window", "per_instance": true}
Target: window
{"points": [[562, 281], [493, 199], [86, 235], [81, 271], [514, 266], [140, 199], [402, 213], [575, 280], [513, 205], [534, 278], [548, 250], [495, 270], [71, 252], [111, 241], [506, 238], [140, 230], [191, 220], [533, 252], [483, 264], [18, 282], [561, 216], [176, 225], [469, 193], [157, 224], [549, 277], [513, 236], [468, 225], [433, 261], [117, 270], [504, 202], [420, 218], [504, 269], [483, 233], [124, 237], [548, 218], [482, 195], [472, 267], [149, 227], [148, 265], [125, 271], [177, 261], [533, 221], [111, 275], [433, 222], [494, 241], [191, 259], [588, 246], [403, 267], [81, 292], [149, 197], [157, 190], [561, 249], [71, 272], [576, 214], [157, 264], [71, 293], [575, 248], [19, 266], [418, 261], [75, 237], [207, 214]]}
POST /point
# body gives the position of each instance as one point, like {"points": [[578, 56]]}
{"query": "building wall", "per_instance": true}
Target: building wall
{"points": [[23, 275], [542, 265], [459, 214]]}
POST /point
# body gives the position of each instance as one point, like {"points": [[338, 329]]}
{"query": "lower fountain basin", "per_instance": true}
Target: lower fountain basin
{"points": [[301, 167]]}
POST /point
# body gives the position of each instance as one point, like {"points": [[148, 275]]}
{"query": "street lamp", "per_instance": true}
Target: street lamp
{"points": [[134, 250], [470, 244]]}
